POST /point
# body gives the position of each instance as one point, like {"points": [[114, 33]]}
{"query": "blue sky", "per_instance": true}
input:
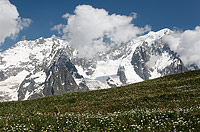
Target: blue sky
{"points": [[45, 14]]}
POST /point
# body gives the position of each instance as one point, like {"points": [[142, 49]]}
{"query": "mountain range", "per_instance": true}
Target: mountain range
{"points": [[50, 66]]}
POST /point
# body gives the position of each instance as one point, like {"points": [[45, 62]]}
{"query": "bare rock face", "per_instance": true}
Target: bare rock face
{"points": [[140, 58], [150, 58], [1, 75], [121, 74], [60, 78], [111, 82]]}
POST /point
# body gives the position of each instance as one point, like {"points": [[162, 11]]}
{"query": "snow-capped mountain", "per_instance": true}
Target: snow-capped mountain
{"points": [[32, 69]]}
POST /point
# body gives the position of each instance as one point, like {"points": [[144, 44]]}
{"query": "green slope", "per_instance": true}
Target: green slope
{"points": [[168, 103]]}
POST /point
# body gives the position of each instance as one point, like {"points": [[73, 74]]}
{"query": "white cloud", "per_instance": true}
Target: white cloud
{"points": [[134, 15], [88, 28], [186, 44], [59, 28], [173, 39], [10, 22]]}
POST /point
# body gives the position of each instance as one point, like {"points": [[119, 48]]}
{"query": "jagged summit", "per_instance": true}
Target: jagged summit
{"points": [[49, 66]]}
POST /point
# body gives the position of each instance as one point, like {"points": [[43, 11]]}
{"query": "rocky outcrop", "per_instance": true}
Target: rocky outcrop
{"points": [[60, 77], [140, 57], [121, 74], [111, 82], [26, 87], [161, 53], [1, 76]]}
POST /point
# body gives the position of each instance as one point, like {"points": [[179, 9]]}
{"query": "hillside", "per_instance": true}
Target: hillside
{"points": [[164, 104]]}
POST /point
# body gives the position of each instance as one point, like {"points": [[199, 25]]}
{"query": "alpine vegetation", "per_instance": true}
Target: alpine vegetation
{"points": [[170, 103]]}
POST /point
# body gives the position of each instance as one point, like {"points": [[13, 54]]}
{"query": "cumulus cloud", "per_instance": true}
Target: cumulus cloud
{"points": [[89, 29], [10, 22], [186, 44]]}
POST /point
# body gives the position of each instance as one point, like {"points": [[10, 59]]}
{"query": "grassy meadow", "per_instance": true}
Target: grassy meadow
{"points": [[170, 103]]}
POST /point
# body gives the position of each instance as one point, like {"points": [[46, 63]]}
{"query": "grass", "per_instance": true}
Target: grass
{"points": [[170, 103]]}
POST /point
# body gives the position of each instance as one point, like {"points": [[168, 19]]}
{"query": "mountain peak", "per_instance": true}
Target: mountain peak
{"points": [[160, 33], [24, 66]]}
